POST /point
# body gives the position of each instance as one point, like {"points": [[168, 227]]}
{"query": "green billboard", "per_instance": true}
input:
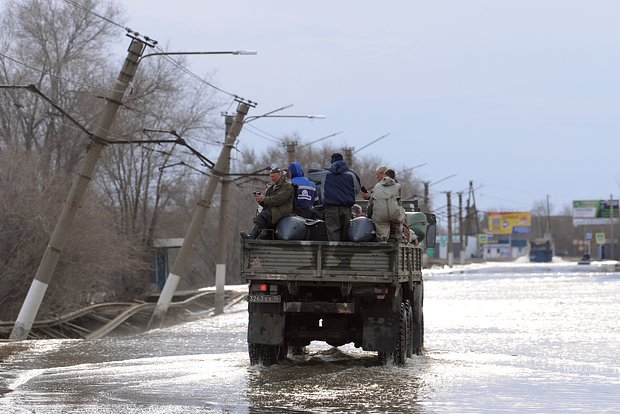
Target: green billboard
{"points": [[596, 212]]}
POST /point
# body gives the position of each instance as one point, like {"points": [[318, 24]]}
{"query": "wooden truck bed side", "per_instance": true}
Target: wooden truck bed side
{"points": [[318, 261]]}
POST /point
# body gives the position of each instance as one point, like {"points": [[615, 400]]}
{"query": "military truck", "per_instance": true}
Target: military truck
{"points": [[367, 293]]}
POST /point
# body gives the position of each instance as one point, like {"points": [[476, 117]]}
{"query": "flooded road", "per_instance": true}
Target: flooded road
{"points": [[513, 338]]}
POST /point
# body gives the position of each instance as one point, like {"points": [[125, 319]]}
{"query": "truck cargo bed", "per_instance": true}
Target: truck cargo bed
{"points": [[321, 261]]}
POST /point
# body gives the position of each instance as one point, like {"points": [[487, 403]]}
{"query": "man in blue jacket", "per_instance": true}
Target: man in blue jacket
{"points": [[305, 195], [341, 186]]}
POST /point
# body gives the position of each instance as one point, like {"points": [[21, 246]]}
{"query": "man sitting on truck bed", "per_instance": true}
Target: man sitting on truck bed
{"points": [[277, 202], [305, 196]]}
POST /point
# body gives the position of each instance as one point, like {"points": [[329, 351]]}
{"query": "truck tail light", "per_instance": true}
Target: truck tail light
{"points": [[261, 287]]}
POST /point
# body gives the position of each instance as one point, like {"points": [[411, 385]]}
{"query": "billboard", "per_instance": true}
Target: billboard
{"points": [[595, 212], [510, 223]]}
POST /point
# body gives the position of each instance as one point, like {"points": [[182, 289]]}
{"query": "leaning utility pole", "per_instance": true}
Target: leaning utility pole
{"points": [[57, 241], [179, 268], [223, 230]]}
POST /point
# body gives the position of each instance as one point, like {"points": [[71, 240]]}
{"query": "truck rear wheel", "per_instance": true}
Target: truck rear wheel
{"points": [[410, 327], [418, 320], [266, 355], [399, 356], [295, 350]]}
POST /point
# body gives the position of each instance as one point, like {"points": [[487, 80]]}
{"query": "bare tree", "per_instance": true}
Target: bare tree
{"points": [[98, 260], [61, 50], [137, 179]]}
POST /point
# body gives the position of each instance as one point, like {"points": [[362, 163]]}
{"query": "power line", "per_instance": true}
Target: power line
{"points": [[266, 135], [79, 6], [198, 78], [49, 73], [153, 43], [35, 90], [261, 136]]}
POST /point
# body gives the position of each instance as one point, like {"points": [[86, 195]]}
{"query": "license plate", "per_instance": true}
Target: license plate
{"points": [[264, 298]]}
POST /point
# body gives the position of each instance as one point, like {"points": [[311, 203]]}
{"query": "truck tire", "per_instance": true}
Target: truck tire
{"points": [[295, 350], [399, 356], [410, 327], [265, 355], [418, 320]]}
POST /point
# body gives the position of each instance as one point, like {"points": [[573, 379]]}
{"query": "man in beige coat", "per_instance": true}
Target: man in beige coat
{"points": [[385, 205]]}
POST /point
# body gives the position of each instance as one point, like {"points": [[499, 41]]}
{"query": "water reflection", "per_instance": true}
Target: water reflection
{"points": [[544, 341], [335, 381]]}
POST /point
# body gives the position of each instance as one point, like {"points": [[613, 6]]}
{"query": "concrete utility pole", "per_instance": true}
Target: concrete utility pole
{"points": [[179, 268], [426, 200], [222, 246], [461, 240], [57, 241], [611, 226], [290, 150], [348, 155], [450, 246]]}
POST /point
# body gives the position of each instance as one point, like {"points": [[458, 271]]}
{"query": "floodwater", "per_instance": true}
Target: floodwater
{"points": [[511, 338]]}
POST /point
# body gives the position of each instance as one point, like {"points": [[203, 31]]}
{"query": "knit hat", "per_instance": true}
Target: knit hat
{"points": [[336, 157], [275, 170]]}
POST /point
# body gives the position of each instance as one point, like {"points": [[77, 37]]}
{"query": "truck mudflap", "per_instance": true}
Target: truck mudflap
{"points": [[266, 328], [319, 307], [380, 334]]}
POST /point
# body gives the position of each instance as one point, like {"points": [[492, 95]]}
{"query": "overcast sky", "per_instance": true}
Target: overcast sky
{"points": [[522, 97]]}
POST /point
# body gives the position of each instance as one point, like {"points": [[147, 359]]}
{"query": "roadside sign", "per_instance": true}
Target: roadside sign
{"points": [[443, 240], [588, 236], [600, 238]]}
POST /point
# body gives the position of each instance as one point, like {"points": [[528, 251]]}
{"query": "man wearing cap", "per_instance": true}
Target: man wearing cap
{"points": [[341, 186], [277, 202]]}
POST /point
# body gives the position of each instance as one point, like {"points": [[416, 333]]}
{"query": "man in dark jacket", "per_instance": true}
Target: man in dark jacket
{"points": [[341, 186], [305, 196], [277, 202]]}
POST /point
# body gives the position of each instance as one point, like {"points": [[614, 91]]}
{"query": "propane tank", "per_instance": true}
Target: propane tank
{"points": [[292, 228], [362, 229]]}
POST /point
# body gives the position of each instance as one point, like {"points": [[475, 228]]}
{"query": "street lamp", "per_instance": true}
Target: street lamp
{"points": [[228, 52], [269, 115], [372, 142]]}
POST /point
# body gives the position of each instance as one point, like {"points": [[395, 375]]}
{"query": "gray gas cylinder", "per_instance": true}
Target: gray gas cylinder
{"points": [[292, 228], [362, 229]]}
